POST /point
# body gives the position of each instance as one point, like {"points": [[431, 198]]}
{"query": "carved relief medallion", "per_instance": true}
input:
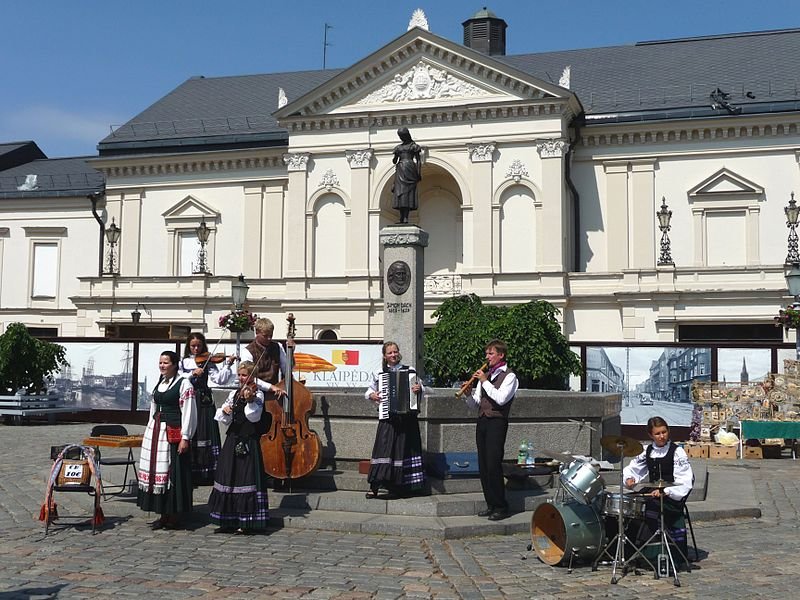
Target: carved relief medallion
{"points": [[423, 82], [398, 277]]}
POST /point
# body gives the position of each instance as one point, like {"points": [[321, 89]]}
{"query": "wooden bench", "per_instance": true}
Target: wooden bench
{"points": [[15, 408]]}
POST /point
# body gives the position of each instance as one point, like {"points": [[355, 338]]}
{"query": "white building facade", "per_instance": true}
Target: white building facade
{"points": [[530, 190]]}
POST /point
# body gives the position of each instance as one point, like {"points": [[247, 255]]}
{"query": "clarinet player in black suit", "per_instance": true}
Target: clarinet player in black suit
{"points": [[493, 397]]}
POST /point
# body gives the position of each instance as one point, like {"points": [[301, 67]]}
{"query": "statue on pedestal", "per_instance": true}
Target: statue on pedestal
{"points": [[408, 172]]}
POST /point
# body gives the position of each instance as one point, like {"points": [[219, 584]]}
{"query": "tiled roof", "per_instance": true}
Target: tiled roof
{"points": [[229, 110], [644, 81], [55, 177], [650, 79]]}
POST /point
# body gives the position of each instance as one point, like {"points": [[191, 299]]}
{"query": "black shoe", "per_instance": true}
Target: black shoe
{"points": [[499, 515], [157, 524], [486, 513], [224, 530]]}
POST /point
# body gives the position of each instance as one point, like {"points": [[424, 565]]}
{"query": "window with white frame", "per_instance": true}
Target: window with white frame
{"points": [[188, 249], [45, 270]]}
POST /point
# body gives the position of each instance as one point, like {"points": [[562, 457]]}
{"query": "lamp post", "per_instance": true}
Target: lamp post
{"points": [[239, 296], [792, 213], [793, 283], [203, 233], [664, 216], [112, 235]]}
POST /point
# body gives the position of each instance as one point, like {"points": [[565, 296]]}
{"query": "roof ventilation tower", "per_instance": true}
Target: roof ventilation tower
{"points": [[485, 32]]}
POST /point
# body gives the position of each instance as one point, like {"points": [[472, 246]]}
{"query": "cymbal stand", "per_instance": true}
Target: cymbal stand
{"points": [[664, 540], [621, 538]]}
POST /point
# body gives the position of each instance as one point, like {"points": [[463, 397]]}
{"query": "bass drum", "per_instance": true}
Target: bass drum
{"points": [[562, 530]]}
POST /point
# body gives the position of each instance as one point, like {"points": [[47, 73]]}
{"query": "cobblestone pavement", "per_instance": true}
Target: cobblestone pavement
{"points": [[756, 557]]}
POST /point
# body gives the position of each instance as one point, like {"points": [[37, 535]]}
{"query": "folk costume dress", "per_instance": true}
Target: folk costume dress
{"points": [[396, 462], [206, 441], [239, 497], [670, 463], [165, 477]]}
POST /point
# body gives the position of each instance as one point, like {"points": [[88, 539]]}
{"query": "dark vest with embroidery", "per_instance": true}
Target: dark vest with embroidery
{"points": [[490, 408], [661, 468], [168, 403], [268, 361]]}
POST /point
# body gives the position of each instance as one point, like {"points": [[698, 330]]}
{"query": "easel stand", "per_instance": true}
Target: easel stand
{"points": [[665, 553]]}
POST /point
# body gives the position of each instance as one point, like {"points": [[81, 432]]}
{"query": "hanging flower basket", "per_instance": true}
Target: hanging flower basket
{"points": [[788, 318], [238, 321]]}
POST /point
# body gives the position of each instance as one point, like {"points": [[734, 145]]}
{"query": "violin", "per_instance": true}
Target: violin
{"points": [[204, 357]]}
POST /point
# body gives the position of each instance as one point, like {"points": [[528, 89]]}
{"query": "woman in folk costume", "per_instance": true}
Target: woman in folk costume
{"points": [[396, 462], [238, 501], [662, 460], [199, 368], [165, 468]]}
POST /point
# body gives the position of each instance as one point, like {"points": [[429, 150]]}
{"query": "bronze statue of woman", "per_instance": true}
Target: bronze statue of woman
{"points": [[407, 173]]}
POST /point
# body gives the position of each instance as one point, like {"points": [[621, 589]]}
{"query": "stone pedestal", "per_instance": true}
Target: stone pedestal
{"points": [[403, 290]]}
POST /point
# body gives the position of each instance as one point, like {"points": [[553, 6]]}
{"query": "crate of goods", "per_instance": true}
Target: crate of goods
{"points": [[771, 450], [753, 452], [720, 451], [697, 450]]}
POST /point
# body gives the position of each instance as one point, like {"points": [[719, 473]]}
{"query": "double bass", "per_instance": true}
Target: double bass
{"points": [[289, 448]]}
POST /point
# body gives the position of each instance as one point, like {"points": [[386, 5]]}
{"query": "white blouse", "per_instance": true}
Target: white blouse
{"points": [[681, 470]]}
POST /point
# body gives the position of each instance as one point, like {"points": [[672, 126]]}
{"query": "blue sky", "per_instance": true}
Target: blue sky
{"points": [[73, 68]]}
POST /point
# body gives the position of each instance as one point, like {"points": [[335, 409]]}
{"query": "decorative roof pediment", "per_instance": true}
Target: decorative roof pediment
{"points": [[189, 210], [422, 70], [725, 183]]}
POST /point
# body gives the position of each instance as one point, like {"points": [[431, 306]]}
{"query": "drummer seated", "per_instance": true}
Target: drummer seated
{"points": [[662, 460]]}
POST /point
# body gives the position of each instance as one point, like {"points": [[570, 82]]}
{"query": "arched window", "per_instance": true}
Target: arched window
{"points": [[517, 231], [440, 216], [327, 335], [329, 237]]}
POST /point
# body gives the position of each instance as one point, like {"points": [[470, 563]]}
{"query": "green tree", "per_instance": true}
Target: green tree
{"points": [[26, 362], [537, 350]]}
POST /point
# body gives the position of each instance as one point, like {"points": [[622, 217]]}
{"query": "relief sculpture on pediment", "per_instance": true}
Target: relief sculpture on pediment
{"points": [[423, 82]]}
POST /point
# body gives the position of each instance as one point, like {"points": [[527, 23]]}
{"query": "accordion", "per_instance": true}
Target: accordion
{"points": [[394, 388]]}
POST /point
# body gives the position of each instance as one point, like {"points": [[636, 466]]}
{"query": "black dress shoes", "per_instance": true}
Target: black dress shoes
{"points": [[499, 515], [486, 513]]}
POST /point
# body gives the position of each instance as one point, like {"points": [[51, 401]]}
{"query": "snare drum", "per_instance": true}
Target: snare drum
{"points": [[632, 506], [582, 480]]}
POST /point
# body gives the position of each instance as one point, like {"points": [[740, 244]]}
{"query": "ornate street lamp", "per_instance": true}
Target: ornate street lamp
{"points": [[792, 213], [112, 235], [239, 296], [239, 292], [136, 314], [203, 232], [664, 216]]}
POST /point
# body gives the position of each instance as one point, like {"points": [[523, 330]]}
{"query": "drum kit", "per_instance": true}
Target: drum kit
{"points": [[576, 524]]}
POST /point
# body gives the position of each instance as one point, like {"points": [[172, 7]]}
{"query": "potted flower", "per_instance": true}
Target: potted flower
{"points": [[238, 320], [789, 317]]}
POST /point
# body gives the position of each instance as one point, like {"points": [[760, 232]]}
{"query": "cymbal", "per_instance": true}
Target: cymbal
{"points": [[620, 444], [562, 456], [653, 485]]}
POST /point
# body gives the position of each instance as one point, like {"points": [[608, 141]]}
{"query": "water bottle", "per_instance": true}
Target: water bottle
{"points": [[531, 456], [522, 457]]}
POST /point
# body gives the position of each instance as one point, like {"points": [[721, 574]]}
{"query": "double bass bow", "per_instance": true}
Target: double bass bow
{"points": [[290, 449]]}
